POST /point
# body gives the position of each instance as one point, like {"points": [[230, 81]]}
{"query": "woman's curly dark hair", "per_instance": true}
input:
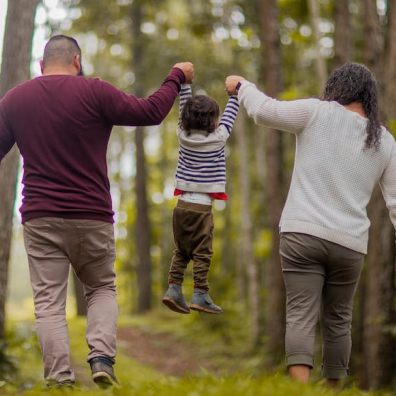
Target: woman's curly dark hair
{"points": [[200, 112], [353, 82]]}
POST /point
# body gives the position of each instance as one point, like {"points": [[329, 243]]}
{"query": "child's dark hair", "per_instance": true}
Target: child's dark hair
{"points": [[353, 82], [200, 112]]}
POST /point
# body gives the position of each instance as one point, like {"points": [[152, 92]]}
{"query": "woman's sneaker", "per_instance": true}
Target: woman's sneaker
{"points": [[174, 299], [202, 302]]}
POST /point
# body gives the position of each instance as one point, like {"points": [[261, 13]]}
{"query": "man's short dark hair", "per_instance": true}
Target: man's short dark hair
{"points": [[61, 49]]}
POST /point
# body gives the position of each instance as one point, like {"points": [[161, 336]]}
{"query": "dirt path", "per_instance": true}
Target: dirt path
{"points": [[162, 351]]}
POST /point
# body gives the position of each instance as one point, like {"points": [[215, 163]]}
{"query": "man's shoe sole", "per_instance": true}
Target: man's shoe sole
{"points": [[104, 380], [196, 307], [174, 306]]}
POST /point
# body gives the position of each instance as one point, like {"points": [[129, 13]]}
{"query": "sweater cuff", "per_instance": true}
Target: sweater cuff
{"points": [[178, 74], [244, 84]]}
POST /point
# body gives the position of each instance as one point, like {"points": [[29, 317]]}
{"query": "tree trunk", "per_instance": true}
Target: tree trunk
{"points": [[320, 62], [142, 230], [246, 250], [342, 33], [379, 310], [390, 63], [15, 68], [274, 159], [81, 302], [373, 49]]}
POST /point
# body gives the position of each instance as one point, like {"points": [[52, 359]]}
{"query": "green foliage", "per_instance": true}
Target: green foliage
{"points": [[137, 379]]}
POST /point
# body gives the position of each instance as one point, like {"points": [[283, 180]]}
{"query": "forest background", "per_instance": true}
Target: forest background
{"points": [[288, 47]]}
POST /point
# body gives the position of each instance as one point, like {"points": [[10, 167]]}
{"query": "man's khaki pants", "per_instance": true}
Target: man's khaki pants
{"points": [[52, 244]]}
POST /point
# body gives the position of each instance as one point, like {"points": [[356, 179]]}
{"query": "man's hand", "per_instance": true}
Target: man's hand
{"points": [[231, 83], [188, 69]]}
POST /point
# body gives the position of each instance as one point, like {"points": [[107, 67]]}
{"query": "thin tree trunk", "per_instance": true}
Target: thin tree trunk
{"points": [[166, 236], [342, 33], [15, 68], [142, 230], [246, 251], [390, 63], [373, 49], [379, 315], [274, 159], [81, 302], [321, 68]]}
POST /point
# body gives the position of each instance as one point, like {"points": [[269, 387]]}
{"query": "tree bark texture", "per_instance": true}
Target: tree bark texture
{"points": [[274, 161], [320, 62], [379, 310], [81, 302], [246, 251], [342, 33], [15, 68], [142, 230]]}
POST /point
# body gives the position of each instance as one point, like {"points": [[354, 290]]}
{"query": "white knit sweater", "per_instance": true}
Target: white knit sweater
{"points": [[333, 176]]}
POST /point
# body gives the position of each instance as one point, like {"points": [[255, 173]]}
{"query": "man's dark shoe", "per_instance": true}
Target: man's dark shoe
{"points": [[202, 302], [174, 299], [61, 385], [102, 373]]}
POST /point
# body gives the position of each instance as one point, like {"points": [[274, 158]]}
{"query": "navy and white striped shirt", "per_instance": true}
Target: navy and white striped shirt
{"points": [[201, 165]]}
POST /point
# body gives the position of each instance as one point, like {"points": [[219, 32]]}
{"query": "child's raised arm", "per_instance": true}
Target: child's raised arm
{"points": [[185, 94], [230, 113]]}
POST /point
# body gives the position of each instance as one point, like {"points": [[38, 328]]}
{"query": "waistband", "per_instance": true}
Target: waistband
{"points": [[193, 206]]}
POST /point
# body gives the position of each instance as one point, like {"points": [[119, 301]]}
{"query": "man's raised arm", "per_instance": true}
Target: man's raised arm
{"points": [[120, 108]]}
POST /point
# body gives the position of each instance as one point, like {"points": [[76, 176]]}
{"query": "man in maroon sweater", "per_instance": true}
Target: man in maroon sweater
{"points": [[61, 123]]}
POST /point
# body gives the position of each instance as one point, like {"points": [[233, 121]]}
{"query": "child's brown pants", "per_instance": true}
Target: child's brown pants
{"points": [[193, 234]]}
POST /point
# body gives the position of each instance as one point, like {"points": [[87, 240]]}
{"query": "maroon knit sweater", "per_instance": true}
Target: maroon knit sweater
{"points": [[62, 126]]}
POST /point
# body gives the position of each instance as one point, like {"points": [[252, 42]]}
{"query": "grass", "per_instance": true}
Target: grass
{"points": [[139, 380]]}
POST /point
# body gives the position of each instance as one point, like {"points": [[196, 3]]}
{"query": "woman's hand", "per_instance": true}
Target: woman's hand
{"points": [[231, 84]]}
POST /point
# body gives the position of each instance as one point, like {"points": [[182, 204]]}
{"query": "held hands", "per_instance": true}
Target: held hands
{"points": [[188, 69], [231, 83]]}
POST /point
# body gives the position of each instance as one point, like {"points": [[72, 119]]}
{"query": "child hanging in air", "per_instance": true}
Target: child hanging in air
{"points": [[200, 178]]}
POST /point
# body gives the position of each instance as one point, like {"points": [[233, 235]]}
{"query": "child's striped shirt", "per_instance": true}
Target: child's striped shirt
{"points": [[201, 165]]}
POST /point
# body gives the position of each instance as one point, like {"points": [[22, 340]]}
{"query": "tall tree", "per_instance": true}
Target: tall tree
{"points": [[142, 228], [246, 236], [321, 68], [15, 68], [271, 69], [342, 32], [81, 302], [379, 310]]}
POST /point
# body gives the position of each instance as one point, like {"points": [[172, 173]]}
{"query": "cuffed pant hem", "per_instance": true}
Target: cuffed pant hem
{"points": [[334, 372], [299, 359], [175, 282]]}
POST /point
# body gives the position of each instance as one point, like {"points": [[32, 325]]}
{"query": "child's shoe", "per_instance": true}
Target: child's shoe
{"points": [[202, 302], [174, 299]]}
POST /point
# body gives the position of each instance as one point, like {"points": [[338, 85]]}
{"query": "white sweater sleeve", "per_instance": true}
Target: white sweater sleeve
{"points": [[388, 185], [291, 116]]}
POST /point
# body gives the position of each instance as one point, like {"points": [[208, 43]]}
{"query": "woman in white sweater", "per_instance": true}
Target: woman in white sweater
{"points": [[342, 152]]}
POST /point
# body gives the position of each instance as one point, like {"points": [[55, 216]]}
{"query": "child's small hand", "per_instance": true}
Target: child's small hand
{"points": [[231, 83], [188, 69]]}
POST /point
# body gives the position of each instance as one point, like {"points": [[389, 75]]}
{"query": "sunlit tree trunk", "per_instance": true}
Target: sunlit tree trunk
{"points": [[342, 32], [81, 302], [271, 55], [142, 230], [320, 62], [15, 68], [166, 236], [379, 311], [246, 253]]}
